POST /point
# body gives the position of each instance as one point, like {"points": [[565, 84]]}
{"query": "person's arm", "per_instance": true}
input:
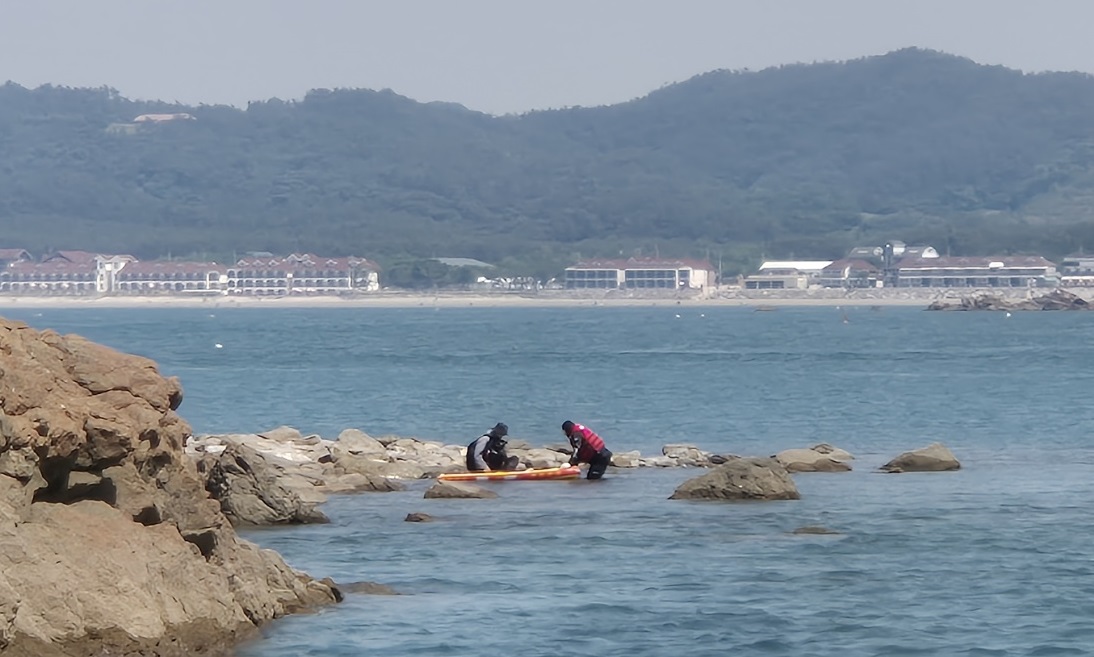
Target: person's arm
{"points": [[575, 442], [477, 449]]}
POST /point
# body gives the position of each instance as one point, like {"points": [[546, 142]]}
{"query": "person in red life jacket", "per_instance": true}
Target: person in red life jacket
{"points": [[588, 448]]}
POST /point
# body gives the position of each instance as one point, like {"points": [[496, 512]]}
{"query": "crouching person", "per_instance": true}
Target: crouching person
{"points": [[588, 448]]}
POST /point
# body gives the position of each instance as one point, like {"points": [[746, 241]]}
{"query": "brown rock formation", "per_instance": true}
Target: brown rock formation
{"points": [[740, 479], [108, 540], [935, 457]]}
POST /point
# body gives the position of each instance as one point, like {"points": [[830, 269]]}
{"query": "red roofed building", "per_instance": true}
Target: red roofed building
{"points": [[56, 277], [302, 274], [850, 272], [641, 273], [73, 257], [170, 277], [11, 256]]}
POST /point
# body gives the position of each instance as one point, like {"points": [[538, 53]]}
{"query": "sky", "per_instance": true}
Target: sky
{"points": [[499, 56]]}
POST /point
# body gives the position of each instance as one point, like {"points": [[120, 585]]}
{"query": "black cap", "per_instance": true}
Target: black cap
{"points": [[500, 429], [567, 426]]}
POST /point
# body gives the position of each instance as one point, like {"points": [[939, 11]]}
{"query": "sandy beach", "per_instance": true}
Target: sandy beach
{"points": [[760, 299]]}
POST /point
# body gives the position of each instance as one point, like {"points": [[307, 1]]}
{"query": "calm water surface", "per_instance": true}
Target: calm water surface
{"points": [[997, 559]]}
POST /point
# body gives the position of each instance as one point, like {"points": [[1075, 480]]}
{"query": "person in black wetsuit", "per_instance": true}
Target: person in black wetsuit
{"points": [[487, 452]]}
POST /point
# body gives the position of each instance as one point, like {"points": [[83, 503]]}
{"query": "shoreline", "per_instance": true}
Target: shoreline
{"points": [[781, 299]]}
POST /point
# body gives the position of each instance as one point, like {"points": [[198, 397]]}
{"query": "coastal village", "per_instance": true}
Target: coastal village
{"points": [[892, 265]]}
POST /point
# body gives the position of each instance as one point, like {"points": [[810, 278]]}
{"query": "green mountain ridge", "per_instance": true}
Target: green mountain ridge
{"points": [[794, 161]]}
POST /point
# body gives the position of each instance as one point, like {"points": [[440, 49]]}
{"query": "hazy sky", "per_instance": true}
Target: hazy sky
{"points": [[499, 55]]}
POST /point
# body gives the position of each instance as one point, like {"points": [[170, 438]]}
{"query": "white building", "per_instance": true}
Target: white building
{"points": [[302, 274], [641, 273], [786, 275]]}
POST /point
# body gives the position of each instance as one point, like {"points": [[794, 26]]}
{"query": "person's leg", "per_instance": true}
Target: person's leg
{"points": [[599, 464]]}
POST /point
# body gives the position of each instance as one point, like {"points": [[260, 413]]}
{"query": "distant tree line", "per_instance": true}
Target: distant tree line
{"points": [[796, 161]]}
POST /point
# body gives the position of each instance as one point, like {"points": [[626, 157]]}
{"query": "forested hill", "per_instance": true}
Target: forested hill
{"points": [[801, 160]]}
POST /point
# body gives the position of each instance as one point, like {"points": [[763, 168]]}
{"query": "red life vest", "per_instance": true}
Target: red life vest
{"points": [[586, 441]]}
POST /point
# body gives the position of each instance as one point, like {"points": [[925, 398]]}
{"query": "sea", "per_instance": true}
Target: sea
{"points": [[996, 559]]}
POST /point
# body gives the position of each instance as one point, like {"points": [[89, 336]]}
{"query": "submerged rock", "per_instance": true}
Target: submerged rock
{"points": [[741, 479], [367, 588], [418, 517], [110, 543], [458, 489], [935, 457], [814, 529]]}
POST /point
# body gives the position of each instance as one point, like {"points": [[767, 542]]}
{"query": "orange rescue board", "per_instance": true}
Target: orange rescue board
{"points": [[565, 472]]}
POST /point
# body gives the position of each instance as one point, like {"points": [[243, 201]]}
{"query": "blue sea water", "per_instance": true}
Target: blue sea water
{"points": [[996, 559]]}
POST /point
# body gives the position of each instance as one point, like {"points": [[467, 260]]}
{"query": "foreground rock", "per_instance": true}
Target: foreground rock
{"points": [[820, 458], [935, 457], [109, 543], [741, 479], [458, 489], [1056, 300]]}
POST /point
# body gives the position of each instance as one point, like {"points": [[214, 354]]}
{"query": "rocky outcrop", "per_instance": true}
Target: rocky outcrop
{"points": [[447, 490], [935, 457], [252, 492], [1057, 299], [109, 543], [686, 455], [312, 467], [741, 479], [819, 458]]}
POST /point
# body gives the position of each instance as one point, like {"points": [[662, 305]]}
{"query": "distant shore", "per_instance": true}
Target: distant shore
{"points": [[732, 298]]}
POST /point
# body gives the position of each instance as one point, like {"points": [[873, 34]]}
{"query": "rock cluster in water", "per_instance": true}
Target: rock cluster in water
{"points": [[1056, 300], [280, 476], [109, 543]]}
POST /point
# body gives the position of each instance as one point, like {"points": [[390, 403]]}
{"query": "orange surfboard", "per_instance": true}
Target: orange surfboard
{"points": [[543, 474]]}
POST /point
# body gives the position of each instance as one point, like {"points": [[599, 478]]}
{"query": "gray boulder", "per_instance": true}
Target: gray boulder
{"points": [[347, 463], [833, 452], [359, 443], [283, 434], [935, 457], [457, 490], [251, 492], [741, 479], [630, 459], [808, 460], [687, 455]]}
